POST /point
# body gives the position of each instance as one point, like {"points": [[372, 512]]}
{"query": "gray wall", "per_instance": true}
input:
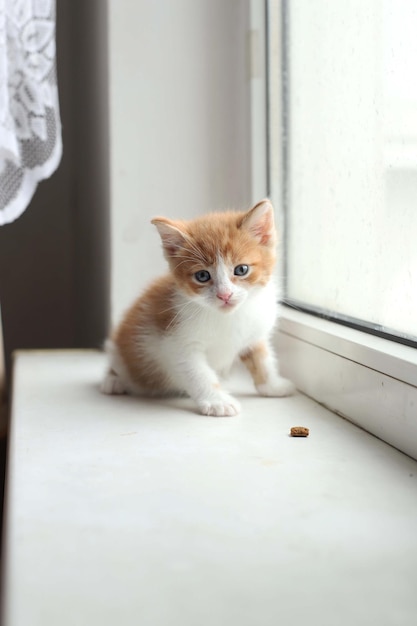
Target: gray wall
{"points": [[54, 259], [179, 93]]}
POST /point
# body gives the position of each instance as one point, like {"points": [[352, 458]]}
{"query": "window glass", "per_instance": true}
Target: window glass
{"points": [[350, 116]]}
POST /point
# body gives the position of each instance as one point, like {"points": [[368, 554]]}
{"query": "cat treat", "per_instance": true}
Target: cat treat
{"points": [[299, 431], [216, 304]]}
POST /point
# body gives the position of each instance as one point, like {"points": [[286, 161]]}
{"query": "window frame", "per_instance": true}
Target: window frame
{"points": [[370, 380]]}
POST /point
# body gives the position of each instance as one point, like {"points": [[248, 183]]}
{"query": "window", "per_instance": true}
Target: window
{"points": [[343, 166]]}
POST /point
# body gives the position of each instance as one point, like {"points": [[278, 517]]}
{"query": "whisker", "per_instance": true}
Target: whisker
{"points": [[181, 310], [176, 305], [197, 252], [185, 261]]}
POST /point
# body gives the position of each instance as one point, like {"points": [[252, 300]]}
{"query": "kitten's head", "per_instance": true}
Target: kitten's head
{"points": [[221, 258]]}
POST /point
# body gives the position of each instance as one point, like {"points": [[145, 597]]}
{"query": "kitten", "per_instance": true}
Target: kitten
{"points": [[218, 303]]}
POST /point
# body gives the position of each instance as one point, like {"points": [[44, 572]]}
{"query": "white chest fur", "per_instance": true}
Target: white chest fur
{"points": [[222, 335]]}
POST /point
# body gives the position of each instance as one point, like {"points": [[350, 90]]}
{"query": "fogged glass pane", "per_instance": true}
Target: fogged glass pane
{"points": [[351, 98]]}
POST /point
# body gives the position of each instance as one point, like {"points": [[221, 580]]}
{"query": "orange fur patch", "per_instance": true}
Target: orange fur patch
{"points": [[220, 233], [254, 359], [153, 311]]}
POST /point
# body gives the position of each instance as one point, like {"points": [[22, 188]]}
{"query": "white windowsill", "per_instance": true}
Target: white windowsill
{"points": [[369, 380], [128, 511], [388, 357]]}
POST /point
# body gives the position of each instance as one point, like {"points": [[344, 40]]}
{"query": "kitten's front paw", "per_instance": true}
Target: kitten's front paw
{"points": [[278, 388], [112, 385], [220, 405]]}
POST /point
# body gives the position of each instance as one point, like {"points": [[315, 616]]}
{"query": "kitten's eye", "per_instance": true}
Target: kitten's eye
{"points": [[202, 276], [241, 270]]}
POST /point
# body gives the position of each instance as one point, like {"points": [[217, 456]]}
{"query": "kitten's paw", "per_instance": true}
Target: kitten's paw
{"points": [[221, 405], [112, 385], [278, 388]]}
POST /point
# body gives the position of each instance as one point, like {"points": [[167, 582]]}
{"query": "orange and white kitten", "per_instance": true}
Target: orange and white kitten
{"points": [[217, 303]]}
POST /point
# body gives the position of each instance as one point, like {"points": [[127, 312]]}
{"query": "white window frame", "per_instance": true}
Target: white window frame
{"points": [[367, 379]]}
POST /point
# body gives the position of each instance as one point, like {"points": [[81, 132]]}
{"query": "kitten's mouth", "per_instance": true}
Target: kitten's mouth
{"points": [[228, 306]]}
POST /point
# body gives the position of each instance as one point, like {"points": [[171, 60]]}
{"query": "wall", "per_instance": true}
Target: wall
{"points": [[179, 124], [90, 162]]}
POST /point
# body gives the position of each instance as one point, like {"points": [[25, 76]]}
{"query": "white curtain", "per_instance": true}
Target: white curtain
{"points": [[30, 128]]}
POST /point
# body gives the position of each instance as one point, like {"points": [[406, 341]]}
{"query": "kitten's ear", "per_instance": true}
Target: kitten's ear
{"points": [[259, 221], [172, 237]]}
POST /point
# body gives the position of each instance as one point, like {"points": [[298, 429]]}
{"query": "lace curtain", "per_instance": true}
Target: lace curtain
{"points": [[30, 128]]}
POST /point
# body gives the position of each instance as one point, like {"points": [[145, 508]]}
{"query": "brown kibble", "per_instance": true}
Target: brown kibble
{"points": [[299, 431]]}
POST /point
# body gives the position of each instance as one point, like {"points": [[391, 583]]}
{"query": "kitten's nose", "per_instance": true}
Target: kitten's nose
{"points": [[224, 295]]}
